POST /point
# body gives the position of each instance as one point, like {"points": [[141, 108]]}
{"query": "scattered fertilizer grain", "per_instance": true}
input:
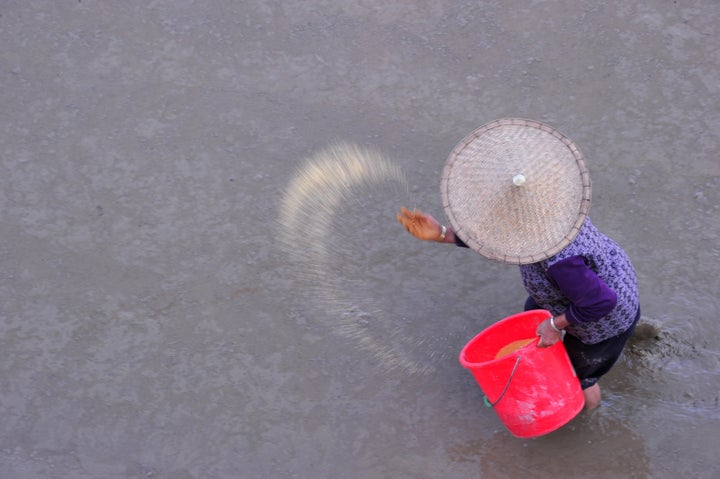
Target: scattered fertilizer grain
{"points": [[316, 228]]}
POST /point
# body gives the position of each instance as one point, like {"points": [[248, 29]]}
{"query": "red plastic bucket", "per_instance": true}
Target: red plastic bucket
{"points": [[533, 390]]}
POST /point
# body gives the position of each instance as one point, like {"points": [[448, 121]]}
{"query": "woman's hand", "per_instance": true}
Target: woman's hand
{"points": [[420, 225], [548, 334]]}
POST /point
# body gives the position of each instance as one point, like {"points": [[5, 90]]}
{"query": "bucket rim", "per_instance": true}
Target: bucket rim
{"points": [[499, 324], [510, 356]]}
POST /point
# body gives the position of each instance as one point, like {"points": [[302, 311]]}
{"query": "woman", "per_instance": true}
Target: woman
{"points": [[517, 191]]}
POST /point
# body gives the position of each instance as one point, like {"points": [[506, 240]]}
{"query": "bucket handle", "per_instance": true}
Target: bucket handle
{"points": [[492, 404], [507, 385]]}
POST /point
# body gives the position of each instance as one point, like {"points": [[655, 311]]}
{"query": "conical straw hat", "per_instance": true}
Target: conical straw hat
{"points": [[516, 191]]}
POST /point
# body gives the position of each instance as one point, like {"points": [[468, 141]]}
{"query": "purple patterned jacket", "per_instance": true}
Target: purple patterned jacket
{"points": [[591, 280]]}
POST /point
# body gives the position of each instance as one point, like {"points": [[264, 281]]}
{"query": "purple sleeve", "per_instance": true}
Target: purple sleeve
{"points": [[591, 298]]}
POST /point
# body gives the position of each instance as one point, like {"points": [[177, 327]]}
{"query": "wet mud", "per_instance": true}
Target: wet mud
{"points": [[155, 321]]}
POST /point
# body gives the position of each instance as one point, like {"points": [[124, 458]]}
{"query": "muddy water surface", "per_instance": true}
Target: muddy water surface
{"points": [[153, 325]]}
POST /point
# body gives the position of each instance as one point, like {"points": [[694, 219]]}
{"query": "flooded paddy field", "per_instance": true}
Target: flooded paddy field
{"points": [[178, 301]]}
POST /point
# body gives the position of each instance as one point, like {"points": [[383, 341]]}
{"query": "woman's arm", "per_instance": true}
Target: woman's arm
{"points": [[590, 298]]}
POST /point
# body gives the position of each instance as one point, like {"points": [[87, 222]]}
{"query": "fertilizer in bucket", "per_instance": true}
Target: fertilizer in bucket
{"points": [[513, 346], [533, 390]]}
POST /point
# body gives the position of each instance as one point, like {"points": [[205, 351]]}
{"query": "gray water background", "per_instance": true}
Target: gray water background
{"points": [[151, 326]]}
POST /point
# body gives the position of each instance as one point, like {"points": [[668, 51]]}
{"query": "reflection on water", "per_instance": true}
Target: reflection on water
{"points": [[593, 445]]}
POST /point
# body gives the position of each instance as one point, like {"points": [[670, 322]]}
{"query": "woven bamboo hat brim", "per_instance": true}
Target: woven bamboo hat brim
{"points": [[516, 191]]}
